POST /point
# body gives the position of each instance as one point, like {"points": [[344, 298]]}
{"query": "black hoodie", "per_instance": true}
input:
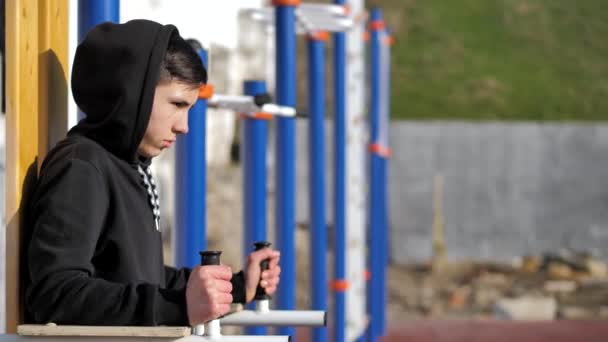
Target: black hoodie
{"points": [[95, 255]]}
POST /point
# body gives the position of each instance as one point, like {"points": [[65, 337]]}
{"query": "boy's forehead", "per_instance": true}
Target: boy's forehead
{"points": [[175, 86]]}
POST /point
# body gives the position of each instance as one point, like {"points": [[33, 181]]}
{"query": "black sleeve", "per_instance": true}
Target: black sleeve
{"points": [[68, 217], [176, 279]]}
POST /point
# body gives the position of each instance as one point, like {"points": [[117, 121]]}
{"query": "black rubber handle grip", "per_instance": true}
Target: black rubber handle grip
{"points": [[210, 258], [260, 293], [262, 99]]}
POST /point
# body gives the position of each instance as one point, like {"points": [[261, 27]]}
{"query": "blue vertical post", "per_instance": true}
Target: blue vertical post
{"points": [[316, 172], [377, 259], [384, 143], [191, 177], [255, 132], [92, 13], [386, 115], [339, 181], [388, 105], [286, 153]]}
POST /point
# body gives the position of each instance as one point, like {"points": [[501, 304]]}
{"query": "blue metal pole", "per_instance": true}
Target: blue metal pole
{"points": [[376, 212], [384, 141], [316, 171], [190, 210], [92, 13], [340, 181], [255, 132], [286, 154]]}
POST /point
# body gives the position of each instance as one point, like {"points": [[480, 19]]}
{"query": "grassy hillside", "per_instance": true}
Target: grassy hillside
{"points": [[499, 59]]}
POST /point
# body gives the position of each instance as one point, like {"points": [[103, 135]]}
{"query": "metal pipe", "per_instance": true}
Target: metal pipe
{"points": [[339, 182], [254, 132], [244, 338], [285, 36], [377, 260], [211, 328], [211, 331], [93, 12], [316, 171], [315, 11], [190, 209], [262, 305], [247, 105], [383, 139], [306, 20], [189, 338], [326, 24], [324, 8], [276, 318]]}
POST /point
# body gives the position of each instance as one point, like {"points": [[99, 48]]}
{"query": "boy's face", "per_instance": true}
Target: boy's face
{"points": [[169, 117]]}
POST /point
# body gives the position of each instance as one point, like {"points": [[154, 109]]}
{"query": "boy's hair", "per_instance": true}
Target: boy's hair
{"points": [[182, 63]]}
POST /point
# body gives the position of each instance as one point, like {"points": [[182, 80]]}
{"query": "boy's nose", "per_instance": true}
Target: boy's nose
{"points": [[181, 126]]}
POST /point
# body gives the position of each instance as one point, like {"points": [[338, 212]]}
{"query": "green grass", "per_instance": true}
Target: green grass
{"points": [[499, 59]]}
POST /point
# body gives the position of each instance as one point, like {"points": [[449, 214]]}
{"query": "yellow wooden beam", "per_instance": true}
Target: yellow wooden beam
{"points": [[53, 44], [36, 88], [21, 124]]}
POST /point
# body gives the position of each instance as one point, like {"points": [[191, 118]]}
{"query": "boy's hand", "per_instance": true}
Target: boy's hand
{"points": [[208, 293], [269, 279]]}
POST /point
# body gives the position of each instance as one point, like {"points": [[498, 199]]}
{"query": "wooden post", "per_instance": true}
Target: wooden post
{"points": [[36, 60], [439, 252], [53, 73]]}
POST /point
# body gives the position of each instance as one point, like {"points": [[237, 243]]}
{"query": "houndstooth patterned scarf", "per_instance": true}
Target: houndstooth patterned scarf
{"points": [[150, 185]]}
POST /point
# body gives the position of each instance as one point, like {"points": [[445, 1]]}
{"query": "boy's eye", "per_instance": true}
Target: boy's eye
{"points": [[180, 104]]}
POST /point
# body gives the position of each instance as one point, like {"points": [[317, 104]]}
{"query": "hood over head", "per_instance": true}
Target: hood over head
{"points": [[114, 77]]}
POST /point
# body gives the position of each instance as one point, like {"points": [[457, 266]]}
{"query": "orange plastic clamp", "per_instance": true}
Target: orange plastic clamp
{"points": [[346, 9], [322, 36], [366, 36], [380, 150], [258, 116], [339, 285], [376, 25], [367, 275], [205, 91], [262, 116], [389, 40], [286, 2]]}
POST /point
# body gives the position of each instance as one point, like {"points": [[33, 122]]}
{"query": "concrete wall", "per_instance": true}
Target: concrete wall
{"points": [[509, 189]]}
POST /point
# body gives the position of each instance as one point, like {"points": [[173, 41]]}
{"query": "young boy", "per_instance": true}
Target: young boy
{"points": [[95, 255]]}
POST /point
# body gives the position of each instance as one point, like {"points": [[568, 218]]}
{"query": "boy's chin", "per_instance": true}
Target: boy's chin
{"points": [[150, 153]]}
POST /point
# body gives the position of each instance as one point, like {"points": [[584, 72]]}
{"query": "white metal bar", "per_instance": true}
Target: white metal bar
{"points": [[334, 11], [262, 305], [198, 330], [332, 25], [243, 338], [212, 329], [323, 8], [246, 105], [307, 20], [277, 318], [191, 338], [275, 109], [356, 174]]}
